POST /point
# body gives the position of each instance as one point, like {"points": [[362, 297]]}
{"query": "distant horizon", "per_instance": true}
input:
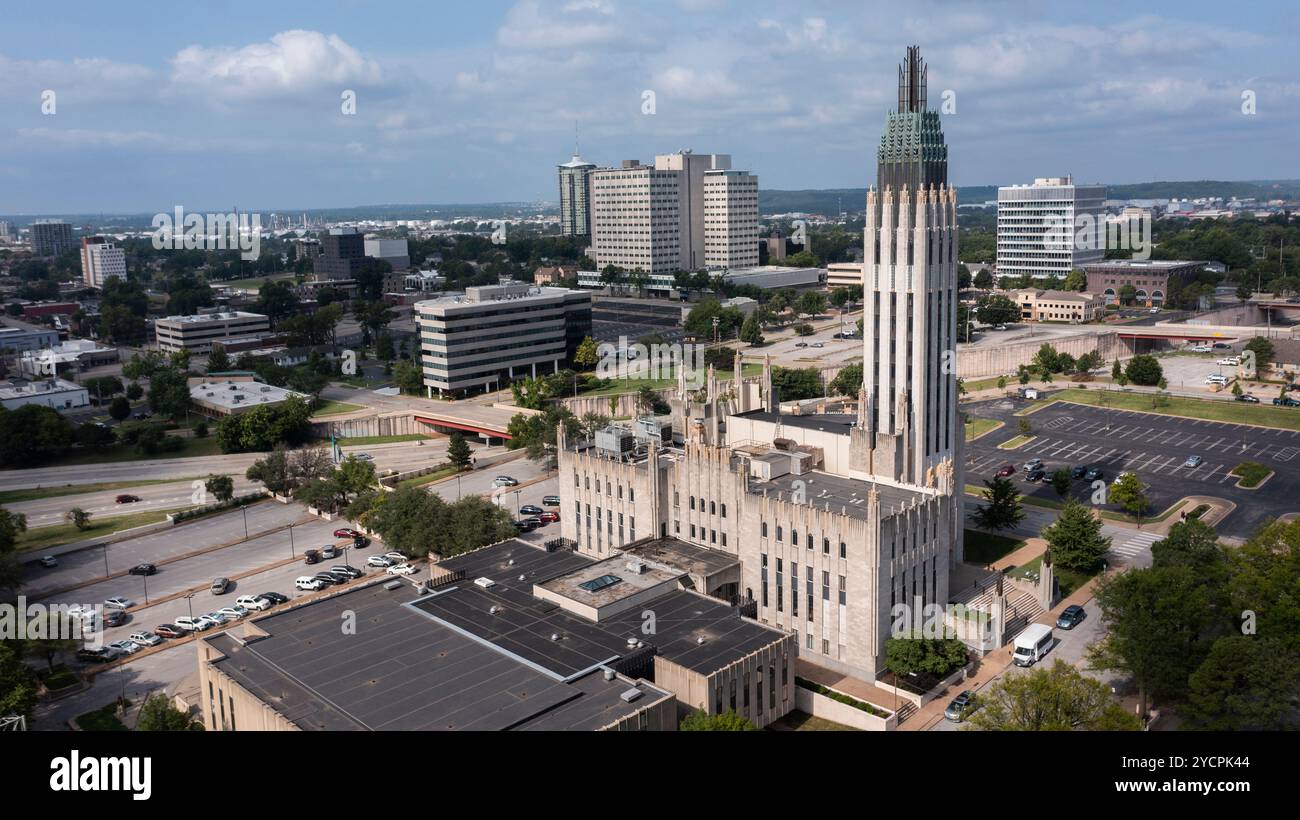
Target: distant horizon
{"points": [[555, 202]]}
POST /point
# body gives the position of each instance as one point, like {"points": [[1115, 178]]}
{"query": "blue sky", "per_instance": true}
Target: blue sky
{"points": [[158, 106]]}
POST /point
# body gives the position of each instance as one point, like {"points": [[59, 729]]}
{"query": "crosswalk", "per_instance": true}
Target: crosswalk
{"points": [[1136, 545]]}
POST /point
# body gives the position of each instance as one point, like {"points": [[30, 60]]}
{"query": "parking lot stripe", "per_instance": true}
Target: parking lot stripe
{"points": [[1211, 473]]}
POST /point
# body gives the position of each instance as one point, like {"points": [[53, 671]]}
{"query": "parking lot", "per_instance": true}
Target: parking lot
{"points": [[1155, 447]]}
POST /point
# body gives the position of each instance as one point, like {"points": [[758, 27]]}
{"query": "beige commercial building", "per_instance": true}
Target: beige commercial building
{"points": [[844, 274], [197, 333], [1058, 306], [101, 260]]}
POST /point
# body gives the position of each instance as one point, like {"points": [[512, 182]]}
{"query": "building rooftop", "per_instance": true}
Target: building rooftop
{"points": [[212, 317], [402, 670], [839, 423], [839, 493], [692, 630], [20, 388], [1141, 264], [496, 293], [230, 394]]}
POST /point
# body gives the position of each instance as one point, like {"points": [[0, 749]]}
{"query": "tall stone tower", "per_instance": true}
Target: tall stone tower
{"points": [[910, 291]]}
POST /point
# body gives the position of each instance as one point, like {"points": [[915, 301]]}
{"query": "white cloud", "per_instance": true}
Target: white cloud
{"points": [[291, 62], [78, 80]]}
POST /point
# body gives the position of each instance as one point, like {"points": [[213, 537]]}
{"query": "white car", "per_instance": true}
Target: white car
{"points": [[381, 561], [1215, 378], [195, 624], [217, 617], [1231, 361], [251, 602], [401, 569], [308, 583], [143, 639], [49, 561], [1201, 349], [362, 456], [120, 602], [126, 647], [396, 557], [232, 613]]}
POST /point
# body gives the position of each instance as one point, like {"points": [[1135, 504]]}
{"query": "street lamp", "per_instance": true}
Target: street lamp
{"points": [[105, 559], [244, 509], [291, 552], [145, 578]]}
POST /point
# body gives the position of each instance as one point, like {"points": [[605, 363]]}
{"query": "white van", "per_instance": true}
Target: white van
{"points": [[308, 583], [1032, 644]]}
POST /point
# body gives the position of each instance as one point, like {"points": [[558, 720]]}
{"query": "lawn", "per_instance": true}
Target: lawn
{"points": [[429, 478], [985, 548], [1068, 579], [1284, 418], [35, 493], [334, 408], [192, 448], [976, 427], [364, 441], [41, 538], [987, 384], [103, 719], [1252, 474]]}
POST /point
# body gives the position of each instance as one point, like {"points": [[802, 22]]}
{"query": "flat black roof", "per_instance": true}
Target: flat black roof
{"points": [[401, 670], [839, 493], [827, 422], [542, 633]]}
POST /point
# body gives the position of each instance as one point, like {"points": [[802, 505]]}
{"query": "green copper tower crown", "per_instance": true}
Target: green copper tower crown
{"points": [[912, 152]]}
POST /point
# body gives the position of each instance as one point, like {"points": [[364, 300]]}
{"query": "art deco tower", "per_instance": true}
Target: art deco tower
{"points": [[909, 415]]}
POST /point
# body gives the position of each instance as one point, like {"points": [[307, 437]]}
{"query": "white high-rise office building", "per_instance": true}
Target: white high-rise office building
{"points": [[687, 212], [101, 260], [1050, 228], [575, 197], [4, 231]]}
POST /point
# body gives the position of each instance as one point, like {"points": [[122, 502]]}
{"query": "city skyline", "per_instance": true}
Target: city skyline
{"points": [[252, 112]]}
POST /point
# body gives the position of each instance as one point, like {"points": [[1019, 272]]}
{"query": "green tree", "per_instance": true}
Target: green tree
{"points": [[78, 518], [18, 682], [796, 383], [1127, 492], [384, 350], [408, 377], [31, 434], [1263, 350], [811, 303], [1144, 370], [1061, 481], [1246, 684], [134, 392], [222, 487], [157, 714], [1076, 281], [997, 310], [750, 333], [984, 279], [119, 408], [913, 654], [1056, 699], [218, 360], [12, 525], [848, 382], [458, 451], [728, 721], [587, 354], [1001, 509], [169, 392], [1075, 538]]}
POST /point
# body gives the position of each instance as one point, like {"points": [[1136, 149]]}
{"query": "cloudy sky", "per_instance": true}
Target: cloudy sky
{"points": [[241, 104]]}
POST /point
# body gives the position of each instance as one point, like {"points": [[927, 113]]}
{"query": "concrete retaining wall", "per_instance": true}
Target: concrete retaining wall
{"points": [[997, 360], [812, 703]]}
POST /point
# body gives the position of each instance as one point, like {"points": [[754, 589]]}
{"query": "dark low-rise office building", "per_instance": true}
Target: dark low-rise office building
{"points": [[1149, 278]]}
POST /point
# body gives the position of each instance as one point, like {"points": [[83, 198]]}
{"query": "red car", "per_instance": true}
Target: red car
{"points": [[126, 498], [1008, 469], [346, 533], [549, 516], [169, 631]]}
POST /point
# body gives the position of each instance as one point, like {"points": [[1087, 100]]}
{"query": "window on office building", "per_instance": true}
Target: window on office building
{"points": [[844, 550], [842, 593], [826, 546]]}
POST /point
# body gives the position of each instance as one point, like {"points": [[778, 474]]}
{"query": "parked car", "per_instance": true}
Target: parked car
{"points": [[360, 542], [217, 617], [381, 561], [326, 579], [1071, 616], [1230, 361], [119, 602], [1007, 469], [329, 551], [800, 344], [960, 707], [1036, 474], [274, 597], [308, 583], [548, 517], [350, 571], [1246, 397], [530, 509], [233, 613], [505, 481], [525, 525], [142, 415], [311, 557], [127, 498], [1221, 346], [396, 557], [1216, 378], [142, 569], [170, 631], [115, 617], [1078, 471], [346, 533], [126, 647], [1032, 464], [401, 569], [1286, 402], [144, 638], [999, 327], [249, 602], [220, 586], [818, 344], [49, 561], [551, 500], [195, 624], [1193, 461], [1093, 474], [101, 654]]}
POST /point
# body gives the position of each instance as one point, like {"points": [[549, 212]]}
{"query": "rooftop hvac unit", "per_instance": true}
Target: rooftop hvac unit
{"points": [[615, 441], [630, 695], [636, 567], [485, 583], [610, 674]]}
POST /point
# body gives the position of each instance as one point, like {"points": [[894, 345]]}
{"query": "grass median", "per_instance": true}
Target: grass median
{"points": [[976, 427], [37, 493], [336, 408]]}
